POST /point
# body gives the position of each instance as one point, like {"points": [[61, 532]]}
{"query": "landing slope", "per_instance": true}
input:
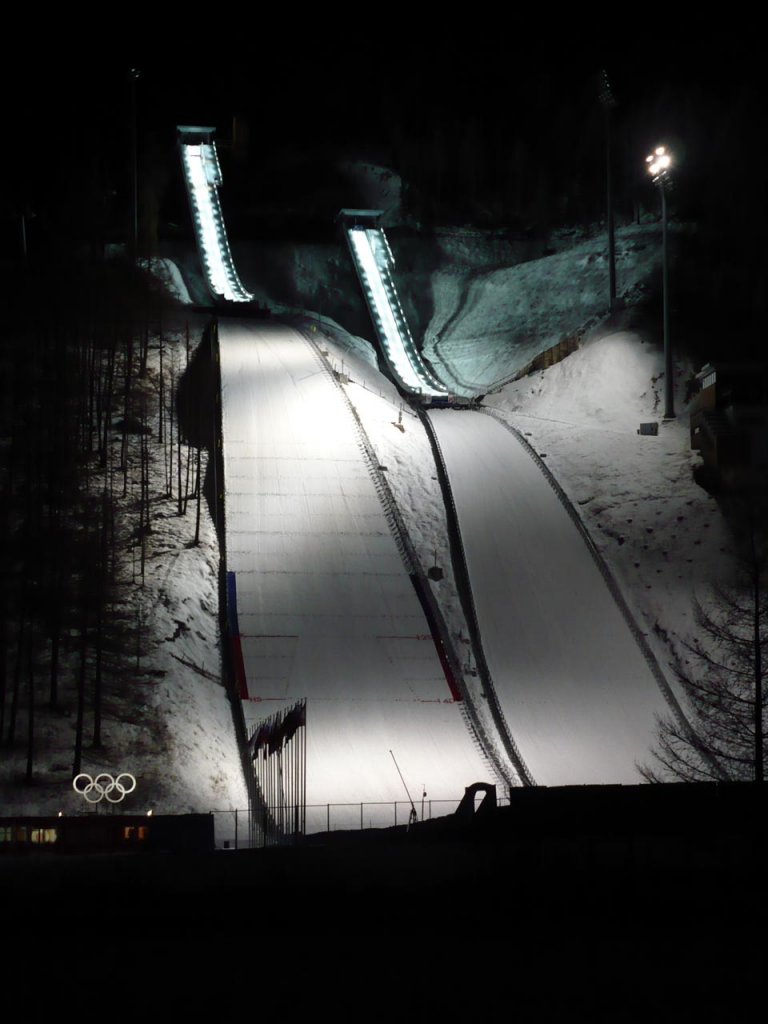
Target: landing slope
{"points": [[574, 686], [327, 610]]}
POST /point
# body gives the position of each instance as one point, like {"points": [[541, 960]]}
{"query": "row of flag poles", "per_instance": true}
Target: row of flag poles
{"points": [[278, 750]]}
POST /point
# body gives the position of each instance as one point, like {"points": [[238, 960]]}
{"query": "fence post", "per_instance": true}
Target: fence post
{"points": [[235, 828], [328, 817], [395, 813]]}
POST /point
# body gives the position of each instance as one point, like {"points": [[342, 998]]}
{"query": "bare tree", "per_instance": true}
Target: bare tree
{"points": [[722, 673]]}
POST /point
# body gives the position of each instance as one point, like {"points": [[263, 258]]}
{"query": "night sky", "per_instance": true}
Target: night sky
{"points": [[461, 96]]}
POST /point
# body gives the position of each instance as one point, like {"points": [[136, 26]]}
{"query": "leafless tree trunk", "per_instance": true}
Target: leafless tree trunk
{"points": [[198, 496], [30, 712], [722, 675], [126, 411]]}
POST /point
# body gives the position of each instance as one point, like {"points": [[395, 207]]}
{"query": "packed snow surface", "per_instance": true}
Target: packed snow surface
{"points": [[573, 684], [660, 534], [491, 321], [326, 608], [663, 536]]}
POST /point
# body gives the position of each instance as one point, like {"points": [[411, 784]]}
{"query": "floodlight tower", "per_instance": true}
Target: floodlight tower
{"points": [[608, 103], [133, 77], [659, 163]]}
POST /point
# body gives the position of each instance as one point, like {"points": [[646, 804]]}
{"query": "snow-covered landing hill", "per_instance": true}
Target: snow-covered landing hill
{"points": [[661, 534], [490, 322]]}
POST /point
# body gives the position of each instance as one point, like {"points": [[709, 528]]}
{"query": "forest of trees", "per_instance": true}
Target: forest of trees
{"points": [[87, 404]]}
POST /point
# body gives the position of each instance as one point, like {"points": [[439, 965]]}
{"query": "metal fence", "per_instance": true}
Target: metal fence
{"points": [[233, 830], [243, 829]]}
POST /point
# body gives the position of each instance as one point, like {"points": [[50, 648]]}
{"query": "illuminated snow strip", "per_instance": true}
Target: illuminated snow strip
{"points": [[201, 169], [389, 319], [327, 610]]}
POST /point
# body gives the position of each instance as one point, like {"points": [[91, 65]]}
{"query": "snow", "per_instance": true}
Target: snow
{"points": [[167, 718], [490, 323], [572, 682], [166, 271], [401, 445], [200, 769], [662, 536], [326, 607], [596, 716]]}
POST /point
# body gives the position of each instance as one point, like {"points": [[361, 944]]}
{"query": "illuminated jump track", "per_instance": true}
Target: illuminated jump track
{"points": [[203, 178], [570, 672], [326, 609], [579, 692], [374, 264]]}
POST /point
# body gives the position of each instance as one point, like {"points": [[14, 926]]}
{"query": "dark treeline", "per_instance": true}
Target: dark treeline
{"points": [[494, 128], [503, 130], [76, 403]]}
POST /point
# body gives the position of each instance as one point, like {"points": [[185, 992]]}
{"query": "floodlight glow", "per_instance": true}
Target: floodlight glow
{"points": [[373, 257], [659, 163], [203, 177]]}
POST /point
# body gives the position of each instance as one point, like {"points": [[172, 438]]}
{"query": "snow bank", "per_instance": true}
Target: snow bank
{"points": [[488, 324], [663, 536]]}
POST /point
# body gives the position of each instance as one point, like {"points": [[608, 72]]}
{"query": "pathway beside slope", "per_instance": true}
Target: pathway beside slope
{"points": [[326, 607], [572, 682]]}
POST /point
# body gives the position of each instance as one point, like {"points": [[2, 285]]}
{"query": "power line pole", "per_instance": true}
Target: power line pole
{"points": [[133, 78], [608, 103], [659, 163]]}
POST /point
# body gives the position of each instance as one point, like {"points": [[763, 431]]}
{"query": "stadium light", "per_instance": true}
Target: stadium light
{"points": [[133, 77], [608, 103], [659, 163]]}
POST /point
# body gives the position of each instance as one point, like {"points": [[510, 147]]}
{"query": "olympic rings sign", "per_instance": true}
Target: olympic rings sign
{"points": [[104, 786]]}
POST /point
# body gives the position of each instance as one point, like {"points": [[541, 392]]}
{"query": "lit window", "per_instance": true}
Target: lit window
{"points": [[44, 835]]}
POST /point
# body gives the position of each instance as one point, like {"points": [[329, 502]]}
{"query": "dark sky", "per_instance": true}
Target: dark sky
{"points": [[309, 77], [308, 84]]}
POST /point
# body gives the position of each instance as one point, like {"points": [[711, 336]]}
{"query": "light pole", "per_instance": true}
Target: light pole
{"points": [[659, 163], [133, 78], [608, 103]]}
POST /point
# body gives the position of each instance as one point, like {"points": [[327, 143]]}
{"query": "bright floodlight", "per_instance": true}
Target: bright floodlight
{"points": [[659, 163], [373, 260], [203, 177]]}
